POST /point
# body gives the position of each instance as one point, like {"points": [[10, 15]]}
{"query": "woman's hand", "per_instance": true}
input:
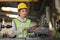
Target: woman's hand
{"points": [[24, 28]]}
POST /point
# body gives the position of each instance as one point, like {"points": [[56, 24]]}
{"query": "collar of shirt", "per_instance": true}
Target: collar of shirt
{"points": [[21, 19]]}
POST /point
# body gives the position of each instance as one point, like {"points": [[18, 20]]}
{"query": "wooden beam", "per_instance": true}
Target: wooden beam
{"points": [[18, 0]]}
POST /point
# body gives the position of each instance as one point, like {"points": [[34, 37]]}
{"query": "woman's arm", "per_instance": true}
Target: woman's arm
{"points": [[15, 32]]}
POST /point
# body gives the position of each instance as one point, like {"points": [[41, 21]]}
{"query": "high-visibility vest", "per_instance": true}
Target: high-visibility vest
{"points": [[20, 25]]}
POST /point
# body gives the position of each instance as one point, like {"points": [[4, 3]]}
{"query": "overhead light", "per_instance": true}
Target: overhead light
{"points": [[9, 9], [12, 16]]}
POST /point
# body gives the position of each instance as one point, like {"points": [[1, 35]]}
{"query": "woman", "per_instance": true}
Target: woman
{"points": [[21, 23]]}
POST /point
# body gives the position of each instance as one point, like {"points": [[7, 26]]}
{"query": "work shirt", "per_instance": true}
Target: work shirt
{"points": [[14, 26]]}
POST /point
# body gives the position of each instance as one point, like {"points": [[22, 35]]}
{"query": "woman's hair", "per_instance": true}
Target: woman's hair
{"points": [[22, 8], [19, 10]]}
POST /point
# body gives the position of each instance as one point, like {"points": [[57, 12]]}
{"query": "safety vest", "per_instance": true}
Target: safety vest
{"points": [[20, 25]]}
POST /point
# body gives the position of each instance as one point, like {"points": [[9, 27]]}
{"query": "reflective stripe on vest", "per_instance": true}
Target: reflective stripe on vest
{"points": [[21, 25]]}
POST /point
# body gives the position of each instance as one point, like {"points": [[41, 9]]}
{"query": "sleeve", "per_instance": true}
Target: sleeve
{"points": [[15, 32], [32, 24], [13, 26]]}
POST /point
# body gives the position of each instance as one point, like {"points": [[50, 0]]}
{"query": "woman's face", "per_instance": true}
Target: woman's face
{"points": [[23, 12]]}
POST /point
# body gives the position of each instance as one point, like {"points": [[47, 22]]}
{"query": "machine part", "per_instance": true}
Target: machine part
{"points": [[58, 28], [9, 32], [31, 32], [41, 32], [0, 27], [6, 32], [48, 18], [58, 25], [44, 21], [58, 22], [3, 31], [8, 26]]}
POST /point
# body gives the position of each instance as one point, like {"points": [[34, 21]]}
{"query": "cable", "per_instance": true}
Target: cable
{"points": [[42, 5]]}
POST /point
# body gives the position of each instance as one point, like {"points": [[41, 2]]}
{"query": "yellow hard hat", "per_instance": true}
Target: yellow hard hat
{"points": [[22, 5]]}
